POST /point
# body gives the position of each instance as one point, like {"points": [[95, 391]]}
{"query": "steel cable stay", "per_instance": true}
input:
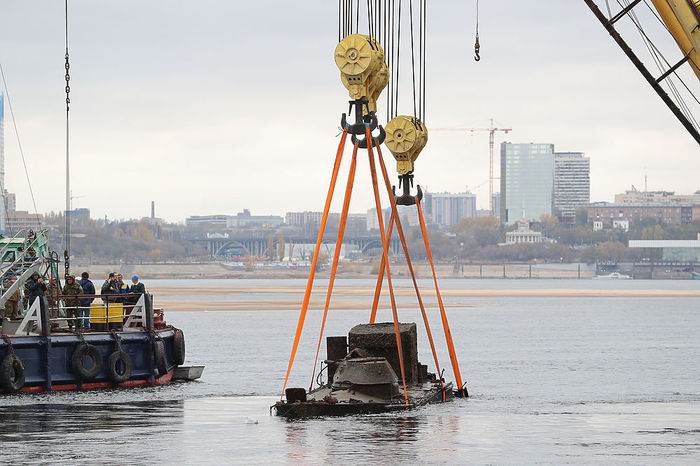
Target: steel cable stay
{"points": [[657, 57], [679, 33], [20, 147]]}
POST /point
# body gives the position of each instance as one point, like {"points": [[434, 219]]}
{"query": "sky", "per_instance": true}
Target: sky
{"points": [[212, 107]]}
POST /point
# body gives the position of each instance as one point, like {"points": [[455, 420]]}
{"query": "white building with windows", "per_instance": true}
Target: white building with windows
{"points": [[523, 234], [448, 209], [572, 184]]}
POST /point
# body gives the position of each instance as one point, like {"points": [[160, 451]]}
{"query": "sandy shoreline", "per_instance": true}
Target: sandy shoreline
{"points": [[208, 298]]}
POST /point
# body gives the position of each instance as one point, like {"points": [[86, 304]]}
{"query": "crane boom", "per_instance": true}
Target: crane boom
{"points": [[682, 18], [684, 8]]}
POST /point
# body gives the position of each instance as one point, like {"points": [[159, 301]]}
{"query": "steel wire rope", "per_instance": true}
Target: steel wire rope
{"points": [[656, 15], [657, 55], [398, 60], [413, 60], [19, 141]]}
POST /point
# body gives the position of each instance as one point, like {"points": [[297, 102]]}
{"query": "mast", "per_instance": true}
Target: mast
{"points": [[66, 253]]}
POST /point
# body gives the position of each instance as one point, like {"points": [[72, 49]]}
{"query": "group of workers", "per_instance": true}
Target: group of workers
{"points": [[77, 296]]}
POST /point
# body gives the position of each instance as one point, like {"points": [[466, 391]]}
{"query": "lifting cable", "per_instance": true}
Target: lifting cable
{"points": [[336, 255], [413, 60], [314, 260]]}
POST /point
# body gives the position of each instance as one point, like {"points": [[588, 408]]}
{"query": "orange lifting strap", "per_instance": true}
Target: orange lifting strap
{"points": [[385, 254], [380, 275], [443, 314], [409, 263], [314, 260], [336, 255]]}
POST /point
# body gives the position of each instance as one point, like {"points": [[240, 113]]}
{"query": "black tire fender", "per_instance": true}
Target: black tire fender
{"points": [[119, 366], [179, 347], [85, 350], [161, 361], [11, 374]]}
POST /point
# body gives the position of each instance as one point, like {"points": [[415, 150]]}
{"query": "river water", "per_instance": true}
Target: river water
{"points": [[553, 380]]}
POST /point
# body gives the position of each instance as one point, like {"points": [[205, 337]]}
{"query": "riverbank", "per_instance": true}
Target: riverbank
{"points": [[355, 270]]}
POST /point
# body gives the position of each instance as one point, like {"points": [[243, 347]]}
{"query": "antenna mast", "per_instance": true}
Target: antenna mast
{"points": [[66, 253]]}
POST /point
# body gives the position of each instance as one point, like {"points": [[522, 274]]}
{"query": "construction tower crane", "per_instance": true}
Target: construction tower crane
{"points": [[492, 130]]}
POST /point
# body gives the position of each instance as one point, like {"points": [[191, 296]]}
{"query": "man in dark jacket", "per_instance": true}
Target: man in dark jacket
{"points": [[109, 286], [88, 289], [35, 288]]}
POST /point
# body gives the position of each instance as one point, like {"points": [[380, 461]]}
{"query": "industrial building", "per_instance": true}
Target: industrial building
{"points": [[672, 250], [605, 214]]}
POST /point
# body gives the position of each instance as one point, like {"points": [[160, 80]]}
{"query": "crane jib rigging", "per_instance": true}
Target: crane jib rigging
{"points": [[685, 118]]}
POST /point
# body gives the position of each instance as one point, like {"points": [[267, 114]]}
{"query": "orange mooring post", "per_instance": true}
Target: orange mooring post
{"points": [[443, 314], [314, 260], [409, 263], [336, 255], [380, 274], [385, 253]]}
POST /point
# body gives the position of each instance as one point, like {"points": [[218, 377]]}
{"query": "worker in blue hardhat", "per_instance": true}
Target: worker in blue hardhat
{"points": [[137, 288]]}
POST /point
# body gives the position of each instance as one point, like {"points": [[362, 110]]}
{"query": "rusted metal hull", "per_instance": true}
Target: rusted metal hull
{"points": [[420, 396]]}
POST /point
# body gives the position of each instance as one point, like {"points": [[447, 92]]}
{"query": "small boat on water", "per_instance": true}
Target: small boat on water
{"points": [[613, 276], [128, 343], [361, 377]]}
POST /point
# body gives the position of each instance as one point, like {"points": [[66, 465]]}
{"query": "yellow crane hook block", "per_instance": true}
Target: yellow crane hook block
{"points": [[406, 137], [360, 59]]}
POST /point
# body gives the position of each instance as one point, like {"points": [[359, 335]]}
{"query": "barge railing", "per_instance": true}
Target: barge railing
{"points": [[129, 316]]}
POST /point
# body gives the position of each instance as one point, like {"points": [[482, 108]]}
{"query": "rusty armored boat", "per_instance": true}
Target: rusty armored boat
{"points": [[360, 373]]}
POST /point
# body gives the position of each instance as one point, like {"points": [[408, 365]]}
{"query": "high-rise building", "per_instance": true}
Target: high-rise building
{"points": [[572, 184], [527, 181], [496, 203], [448, 209], [407, 214], [10, 202]]}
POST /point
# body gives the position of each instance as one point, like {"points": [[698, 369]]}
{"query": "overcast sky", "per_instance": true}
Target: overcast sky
{"points": [[212, 107]]}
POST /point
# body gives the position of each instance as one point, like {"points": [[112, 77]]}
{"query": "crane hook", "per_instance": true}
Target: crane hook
{"points": [[477, 46]]}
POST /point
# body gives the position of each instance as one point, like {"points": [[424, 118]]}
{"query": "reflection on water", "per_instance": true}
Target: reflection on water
{"points": [[44, 421], [554, 380]]}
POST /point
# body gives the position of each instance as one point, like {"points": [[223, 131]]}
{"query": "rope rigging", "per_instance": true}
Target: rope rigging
{"points": [[659, 60], [368, 64]]}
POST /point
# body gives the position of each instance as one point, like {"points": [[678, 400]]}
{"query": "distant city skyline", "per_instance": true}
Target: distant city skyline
{"points": [[185, 109]]}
